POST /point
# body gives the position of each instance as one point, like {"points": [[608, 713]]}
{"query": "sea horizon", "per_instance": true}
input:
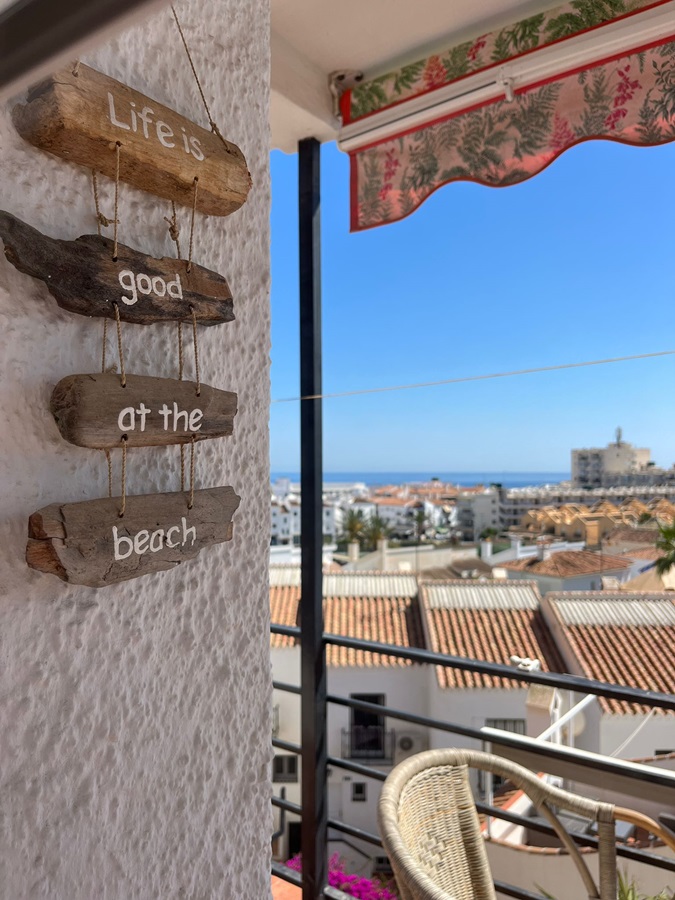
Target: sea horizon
{"points": [[462, 479]]}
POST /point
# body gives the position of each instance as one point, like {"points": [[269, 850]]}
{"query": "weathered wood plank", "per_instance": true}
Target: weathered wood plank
{"points": [[88, 543], [82, 117], [96, 411], [83, 278]]}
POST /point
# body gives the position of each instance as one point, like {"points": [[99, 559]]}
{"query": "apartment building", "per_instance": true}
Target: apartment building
{"points": [[610, 465]]}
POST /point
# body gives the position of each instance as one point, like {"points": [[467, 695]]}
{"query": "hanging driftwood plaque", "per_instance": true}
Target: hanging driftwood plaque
{"points": [[96, 411], [83, 278], [88, 543], [82, 117]]}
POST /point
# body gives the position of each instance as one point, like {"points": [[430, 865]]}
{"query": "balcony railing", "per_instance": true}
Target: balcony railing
{"points": [[372, 742], [581, 766]]}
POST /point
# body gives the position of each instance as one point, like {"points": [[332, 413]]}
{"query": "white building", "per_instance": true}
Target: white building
{"points": [[607, 466], [476, 511]]}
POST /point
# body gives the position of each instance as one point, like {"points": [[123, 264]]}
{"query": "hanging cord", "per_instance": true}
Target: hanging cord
{"points": [[191, 502], [192, 222], [123, 374], [174, 228], [109, 461], [123, 505], [194, 339], [174, 231], [117, 197], [214, 127], [76, 68], [181, 369], [101, 222]]}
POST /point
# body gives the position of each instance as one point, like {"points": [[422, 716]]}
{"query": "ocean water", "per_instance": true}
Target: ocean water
{"points": [[465, 479]]}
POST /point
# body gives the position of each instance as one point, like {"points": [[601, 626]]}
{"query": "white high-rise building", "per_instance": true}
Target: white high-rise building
{"points": [[608, 466]]}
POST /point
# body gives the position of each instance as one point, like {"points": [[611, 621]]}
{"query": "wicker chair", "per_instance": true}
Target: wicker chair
{"points": [[431, 833]]}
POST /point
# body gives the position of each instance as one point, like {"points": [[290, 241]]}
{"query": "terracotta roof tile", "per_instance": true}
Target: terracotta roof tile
{"points": [[492, 633], [284, 605], [651, 554], [568, 563], [389, 620], [622, 638]]}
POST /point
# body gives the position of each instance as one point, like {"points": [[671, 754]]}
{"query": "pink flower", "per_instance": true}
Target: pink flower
{"points": [[435, 73], [476, 47], [614, 118], [391, 164], [625, 88], [562, 135]]}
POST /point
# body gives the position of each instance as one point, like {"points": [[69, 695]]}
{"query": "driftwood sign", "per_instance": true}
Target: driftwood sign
{"points": [[83, 115], [83, 278], [96, 411], [88, 543]]}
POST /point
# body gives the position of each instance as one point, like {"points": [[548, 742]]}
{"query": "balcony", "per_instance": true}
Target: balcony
{"points": [[370, 742], [591, 774]]}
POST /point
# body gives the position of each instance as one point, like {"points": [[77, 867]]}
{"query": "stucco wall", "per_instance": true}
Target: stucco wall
{"points": [[134, 720]]}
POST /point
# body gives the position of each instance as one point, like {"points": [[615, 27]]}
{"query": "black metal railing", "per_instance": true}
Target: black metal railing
{"points": [[581, 766]]}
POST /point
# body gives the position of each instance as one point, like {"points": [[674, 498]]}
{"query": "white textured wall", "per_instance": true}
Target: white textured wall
{"points": [[134, 720]]}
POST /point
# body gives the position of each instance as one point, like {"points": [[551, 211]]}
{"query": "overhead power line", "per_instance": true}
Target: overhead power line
{"points": [[424, 384]]}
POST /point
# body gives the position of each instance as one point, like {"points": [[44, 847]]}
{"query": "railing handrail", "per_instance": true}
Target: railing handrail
{"points": [[577, 683]]}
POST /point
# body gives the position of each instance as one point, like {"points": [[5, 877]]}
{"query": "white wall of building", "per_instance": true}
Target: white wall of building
{"points": [[135, 719]]}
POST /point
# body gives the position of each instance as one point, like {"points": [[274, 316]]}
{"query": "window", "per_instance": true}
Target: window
{"points": [[285, 769], [359, 793], [367, 731]]}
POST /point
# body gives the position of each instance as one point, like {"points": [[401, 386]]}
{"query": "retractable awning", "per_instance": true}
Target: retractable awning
{"points": [[498, 109]]}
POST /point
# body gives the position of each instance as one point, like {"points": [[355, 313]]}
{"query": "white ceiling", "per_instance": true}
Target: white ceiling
{"points": [[312, 38]]}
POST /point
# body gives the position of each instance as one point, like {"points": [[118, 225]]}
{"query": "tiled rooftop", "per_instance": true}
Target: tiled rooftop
{"points": [[568, 563], [489, 622], [350, 584], [371, 606], [629, 536], [651, 554], [620, 638]]}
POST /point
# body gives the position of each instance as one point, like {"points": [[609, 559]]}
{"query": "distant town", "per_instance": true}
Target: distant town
{"points": [[412, 526]]}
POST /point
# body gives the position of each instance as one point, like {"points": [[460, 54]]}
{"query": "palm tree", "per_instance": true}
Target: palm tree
{"points": [[420, 523], [354, 528], [666, 542], [376, 530]]}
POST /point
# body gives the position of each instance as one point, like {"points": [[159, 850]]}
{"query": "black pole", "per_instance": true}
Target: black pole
{"points": [[313, 654]]}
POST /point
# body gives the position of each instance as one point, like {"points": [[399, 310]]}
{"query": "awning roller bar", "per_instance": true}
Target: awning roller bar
{"points": [[497, 82]]}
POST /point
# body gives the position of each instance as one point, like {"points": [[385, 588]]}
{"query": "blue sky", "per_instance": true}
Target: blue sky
{"points": [[575, 264]]}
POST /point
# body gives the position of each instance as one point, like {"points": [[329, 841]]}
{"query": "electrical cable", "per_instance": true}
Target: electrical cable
{"points": [[512, 374]]}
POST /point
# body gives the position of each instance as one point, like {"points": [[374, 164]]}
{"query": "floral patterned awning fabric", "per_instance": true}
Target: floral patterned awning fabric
{"points": [[630, 99]]}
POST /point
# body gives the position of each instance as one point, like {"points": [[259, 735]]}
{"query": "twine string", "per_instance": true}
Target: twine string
{"points": [[123, 505], [120, 350], [192, 221], [110, 473], [182, 468], [174, 228], [101, 221], [214, 127], [117, 197], [191, 502], [196, 345]]}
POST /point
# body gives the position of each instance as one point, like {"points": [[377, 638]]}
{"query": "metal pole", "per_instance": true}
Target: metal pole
{"points": [[313, 652]]}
